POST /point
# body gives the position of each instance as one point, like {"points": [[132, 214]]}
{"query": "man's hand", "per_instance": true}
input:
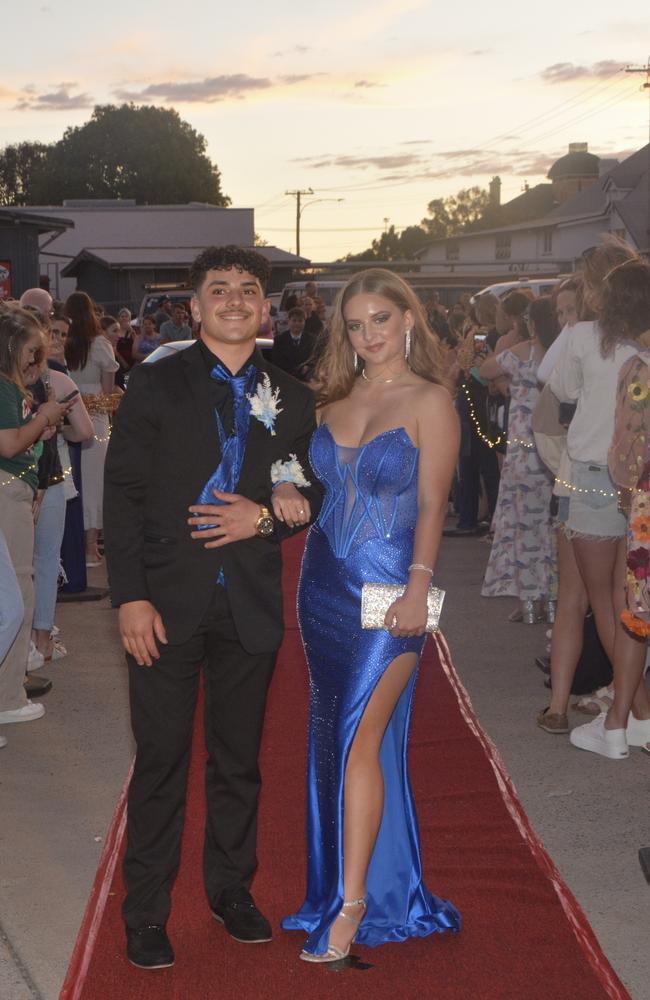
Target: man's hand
{"points": [[231, 521], [140, 625]]}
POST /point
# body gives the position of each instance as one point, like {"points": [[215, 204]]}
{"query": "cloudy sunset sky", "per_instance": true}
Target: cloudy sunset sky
{"points": [[384, 104]]}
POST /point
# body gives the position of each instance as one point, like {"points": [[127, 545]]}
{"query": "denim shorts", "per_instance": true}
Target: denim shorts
{"points": [[593, 512]]}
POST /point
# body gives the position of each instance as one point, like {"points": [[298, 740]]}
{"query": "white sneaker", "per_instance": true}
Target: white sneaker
{"points": [[637, 732], [3, 742], [35, 660], [607, 742], [32, 710]]}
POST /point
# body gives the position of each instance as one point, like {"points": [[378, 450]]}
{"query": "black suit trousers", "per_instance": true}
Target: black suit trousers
{"points": [[163, 701]]}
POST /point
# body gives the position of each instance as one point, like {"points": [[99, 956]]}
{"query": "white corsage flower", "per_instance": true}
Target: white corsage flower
{"points": [[264, 404], [289, 472]]}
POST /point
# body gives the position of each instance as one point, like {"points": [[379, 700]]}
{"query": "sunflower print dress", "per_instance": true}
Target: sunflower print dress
{"points": [[629, 466]]}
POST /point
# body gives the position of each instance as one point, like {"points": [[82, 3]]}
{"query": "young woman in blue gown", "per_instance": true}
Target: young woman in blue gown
{"points": [[385, 451]]}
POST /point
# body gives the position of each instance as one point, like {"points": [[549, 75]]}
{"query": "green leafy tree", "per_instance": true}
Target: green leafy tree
{"points": [[19, 166], [145, 153], [450, 216], [392, 245]]}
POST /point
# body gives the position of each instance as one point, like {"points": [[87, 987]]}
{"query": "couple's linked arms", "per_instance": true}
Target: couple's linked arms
{"points": [[135, 434]]}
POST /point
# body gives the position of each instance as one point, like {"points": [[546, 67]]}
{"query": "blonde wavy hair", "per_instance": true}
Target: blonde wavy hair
{"points": [[336, 371]]}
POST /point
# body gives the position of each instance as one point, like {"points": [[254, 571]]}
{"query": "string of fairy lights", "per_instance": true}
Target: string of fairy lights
{"points": [[502, 438]]}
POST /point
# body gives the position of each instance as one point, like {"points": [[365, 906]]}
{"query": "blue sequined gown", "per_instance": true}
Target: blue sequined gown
{"points": [[364, 533]]}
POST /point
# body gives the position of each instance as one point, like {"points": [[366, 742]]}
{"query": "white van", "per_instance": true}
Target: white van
{"points": [[326, 291], [538, 286]]}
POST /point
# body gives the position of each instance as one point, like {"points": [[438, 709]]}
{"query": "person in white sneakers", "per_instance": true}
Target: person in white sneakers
{"points": [[624, 310]]}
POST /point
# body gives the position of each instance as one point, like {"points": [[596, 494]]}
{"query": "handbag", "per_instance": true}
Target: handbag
{"points": [[548, 430], [376, 598]]}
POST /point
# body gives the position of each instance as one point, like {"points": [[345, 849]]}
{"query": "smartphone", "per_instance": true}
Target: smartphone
{"points": [[71, 395]]}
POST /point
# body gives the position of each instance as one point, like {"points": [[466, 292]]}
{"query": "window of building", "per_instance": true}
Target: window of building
{"points": [[502, 247], [547, 244], [452, 251]]}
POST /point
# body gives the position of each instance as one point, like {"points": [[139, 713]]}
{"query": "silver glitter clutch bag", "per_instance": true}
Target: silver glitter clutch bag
{"points": [[376, 598]]}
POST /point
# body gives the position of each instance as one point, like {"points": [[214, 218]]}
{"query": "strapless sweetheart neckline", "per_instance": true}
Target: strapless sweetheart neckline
{"points": [[377, 437]]}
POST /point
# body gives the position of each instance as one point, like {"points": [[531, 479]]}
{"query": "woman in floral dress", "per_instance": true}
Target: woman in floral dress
{"points": [[522, 559]]}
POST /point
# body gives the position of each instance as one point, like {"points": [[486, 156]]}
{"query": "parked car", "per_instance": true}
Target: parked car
{"points": [[151, 300], [538, 286], [265, 345], [327, 292]]}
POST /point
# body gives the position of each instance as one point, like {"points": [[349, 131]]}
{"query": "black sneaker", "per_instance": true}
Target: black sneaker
{"points": [[237, 911], [148, 947]]}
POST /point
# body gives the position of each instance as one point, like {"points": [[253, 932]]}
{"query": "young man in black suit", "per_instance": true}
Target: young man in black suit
{"points": [[201, 442], [293, 348]]}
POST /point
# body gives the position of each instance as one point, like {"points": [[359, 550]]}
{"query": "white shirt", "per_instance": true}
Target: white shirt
{"points": [[584, 376], [101, 358]]}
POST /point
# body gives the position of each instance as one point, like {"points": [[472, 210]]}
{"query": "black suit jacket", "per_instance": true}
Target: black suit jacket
{"points": [[163, 449], [290, 358]]}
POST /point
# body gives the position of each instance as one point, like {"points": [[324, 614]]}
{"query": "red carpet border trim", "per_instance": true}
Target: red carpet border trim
{"points": [[85, 943], [574, 912]]}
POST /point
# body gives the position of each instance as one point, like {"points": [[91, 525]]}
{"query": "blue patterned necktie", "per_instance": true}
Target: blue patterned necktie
{"points": [[226, 475]]}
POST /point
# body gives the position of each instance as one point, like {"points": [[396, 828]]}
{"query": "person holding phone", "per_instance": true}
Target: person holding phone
{"points": [[22, 433], [52, 493]]}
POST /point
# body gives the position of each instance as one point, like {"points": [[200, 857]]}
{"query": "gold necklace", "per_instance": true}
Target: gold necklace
{"points": [[385, 381]]}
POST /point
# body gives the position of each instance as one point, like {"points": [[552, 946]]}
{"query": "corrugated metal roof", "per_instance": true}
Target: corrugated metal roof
{"points": [[45, 223]]}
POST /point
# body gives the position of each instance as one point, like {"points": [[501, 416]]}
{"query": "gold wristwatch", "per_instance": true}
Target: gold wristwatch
{"points": [[265, 525]]}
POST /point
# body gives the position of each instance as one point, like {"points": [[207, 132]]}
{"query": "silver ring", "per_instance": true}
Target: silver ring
{"points": [[301, 511], [394, 625]]}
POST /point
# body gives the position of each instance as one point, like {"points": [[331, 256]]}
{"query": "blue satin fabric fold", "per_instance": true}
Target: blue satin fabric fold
{"points": [[226, 475], [364, 534]]}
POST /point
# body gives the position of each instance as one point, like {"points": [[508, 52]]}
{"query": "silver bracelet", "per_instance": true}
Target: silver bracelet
{"points": [[427, 569]]}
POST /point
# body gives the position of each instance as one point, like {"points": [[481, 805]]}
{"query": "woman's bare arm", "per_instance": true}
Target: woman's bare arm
{"points": [[79, 426], [438, 438]]}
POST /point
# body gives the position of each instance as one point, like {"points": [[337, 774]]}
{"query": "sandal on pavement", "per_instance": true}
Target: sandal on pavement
{"points": [[334, 954], [552, 722], [596, 702]]}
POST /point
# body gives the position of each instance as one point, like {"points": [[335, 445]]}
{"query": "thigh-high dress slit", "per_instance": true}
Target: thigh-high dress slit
{"points": [[364, 533]]}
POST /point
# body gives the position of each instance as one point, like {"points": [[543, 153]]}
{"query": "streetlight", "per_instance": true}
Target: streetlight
{"points": [[301, 209]]}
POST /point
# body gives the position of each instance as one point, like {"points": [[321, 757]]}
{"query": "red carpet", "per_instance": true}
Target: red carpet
{"points": [[524, 936]]}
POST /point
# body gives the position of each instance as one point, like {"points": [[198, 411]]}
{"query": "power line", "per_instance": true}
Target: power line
{"points": [[602, 86]]}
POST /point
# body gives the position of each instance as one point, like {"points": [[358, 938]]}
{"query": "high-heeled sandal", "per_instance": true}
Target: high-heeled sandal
{"points": [[334, 954]]}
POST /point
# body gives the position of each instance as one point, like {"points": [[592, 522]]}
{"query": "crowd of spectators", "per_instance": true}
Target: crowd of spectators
{"points": [[536, 383], [572, 465]]}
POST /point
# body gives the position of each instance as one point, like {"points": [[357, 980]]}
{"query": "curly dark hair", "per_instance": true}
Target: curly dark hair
{"points": [[625, 303], [225, 258]]}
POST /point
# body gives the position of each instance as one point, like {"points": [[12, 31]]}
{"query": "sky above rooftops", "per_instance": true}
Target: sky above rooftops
{"points": [[385, 104]]}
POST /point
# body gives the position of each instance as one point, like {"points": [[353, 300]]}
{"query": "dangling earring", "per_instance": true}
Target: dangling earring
{"points": [[355, 361], [407, 344]]}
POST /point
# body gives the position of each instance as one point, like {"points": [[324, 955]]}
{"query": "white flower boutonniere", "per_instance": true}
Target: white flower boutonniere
{"points": [[289, 472], [264, 404]]}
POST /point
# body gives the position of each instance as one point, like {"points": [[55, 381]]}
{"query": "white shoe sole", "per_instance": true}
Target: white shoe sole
{"points": [[596, 746], [4, 721]]}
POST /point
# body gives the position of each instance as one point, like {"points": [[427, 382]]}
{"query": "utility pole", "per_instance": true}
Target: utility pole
{"points": [[298, 195], [645, 86]]}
